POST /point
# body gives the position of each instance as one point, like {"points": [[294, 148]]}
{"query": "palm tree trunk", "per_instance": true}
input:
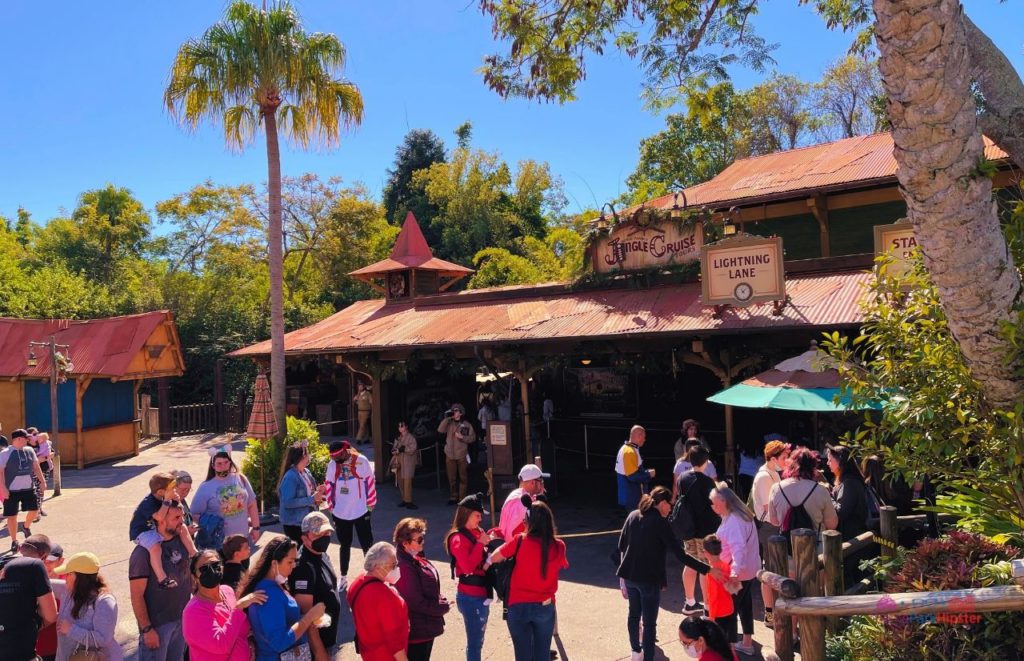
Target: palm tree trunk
{"points": [[275, 258], [926, 74]]}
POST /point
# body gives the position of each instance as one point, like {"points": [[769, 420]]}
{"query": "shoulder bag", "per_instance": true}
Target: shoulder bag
{"points": [[85, 652]]}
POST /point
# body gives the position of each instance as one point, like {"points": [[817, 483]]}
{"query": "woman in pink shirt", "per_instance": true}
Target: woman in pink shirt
{"points": [[214, 622]]}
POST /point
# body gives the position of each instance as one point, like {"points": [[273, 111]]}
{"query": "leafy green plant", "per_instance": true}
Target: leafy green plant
{"points": [[263, 459]]}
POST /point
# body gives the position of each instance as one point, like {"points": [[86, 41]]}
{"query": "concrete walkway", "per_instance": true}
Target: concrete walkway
{"points": [[94, 511]]}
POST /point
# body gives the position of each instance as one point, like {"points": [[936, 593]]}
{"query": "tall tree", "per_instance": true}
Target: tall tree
{"points": [[847, 97], [260, 67], [112, 225], [926, 70], [420, 149]]}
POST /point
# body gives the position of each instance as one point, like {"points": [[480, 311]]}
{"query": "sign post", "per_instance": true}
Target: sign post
{"points": [[741, 271]]}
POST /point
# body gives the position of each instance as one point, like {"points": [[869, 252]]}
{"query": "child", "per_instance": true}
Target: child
{"points": [[44, 451], [235, 553], [152, 540], [720, 608]]}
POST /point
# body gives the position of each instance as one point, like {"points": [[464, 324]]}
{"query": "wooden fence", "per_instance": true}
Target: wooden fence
{"points": [[817, 598], [193, 418]]}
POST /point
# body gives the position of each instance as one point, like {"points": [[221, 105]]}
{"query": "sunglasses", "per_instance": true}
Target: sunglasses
{"points": [[216, 565], [419, 540], [172, 503]]}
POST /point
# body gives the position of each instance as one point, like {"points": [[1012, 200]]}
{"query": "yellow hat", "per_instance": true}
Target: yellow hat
{"points": [[81, 563]]}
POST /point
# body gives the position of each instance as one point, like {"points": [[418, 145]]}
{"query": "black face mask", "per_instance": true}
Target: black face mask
{"points": [[321, 544], [210, 576], [221, 473]]}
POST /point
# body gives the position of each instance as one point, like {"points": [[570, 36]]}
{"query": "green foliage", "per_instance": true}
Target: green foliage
{"points": [[847, 98], [263, 459], [936, 421], [419, 150]]}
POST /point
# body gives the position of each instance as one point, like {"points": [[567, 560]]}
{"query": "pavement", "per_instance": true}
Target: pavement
{"points": [[93, 512]]}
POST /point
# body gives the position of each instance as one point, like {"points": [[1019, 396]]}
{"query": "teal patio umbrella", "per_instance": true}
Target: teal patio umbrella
{"points": [[808, 382]]}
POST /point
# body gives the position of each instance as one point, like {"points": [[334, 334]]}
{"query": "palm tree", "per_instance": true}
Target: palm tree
{"points": [[259, 67]]}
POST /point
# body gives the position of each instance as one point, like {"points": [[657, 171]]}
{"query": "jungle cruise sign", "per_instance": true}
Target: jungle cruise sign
{"points": [[645, 243], [742, 270]]}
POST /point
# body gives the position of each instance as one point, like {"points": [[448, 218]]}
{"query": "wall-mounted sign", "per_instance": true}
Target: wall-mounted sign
{"points": [[644, 243], [741, 271], [899, 241]]}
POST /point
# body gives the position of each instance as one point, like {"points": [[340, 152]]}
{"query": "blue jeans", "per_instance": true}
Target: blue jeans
{"points": [[531, 627], [172, 644], [474, 615], [644, 601]]}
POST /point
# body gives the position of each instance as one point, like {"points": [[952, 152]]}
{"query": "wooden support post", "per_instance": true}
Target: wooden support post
{"points": [[163, 392], [523, 376], [832, 559], [889, 528], [377, 431], [812, 629], [819, 207], [777, 561]]}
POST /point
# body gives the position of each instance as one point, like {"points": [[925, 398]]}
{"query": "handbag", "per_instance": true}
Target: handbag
{"points": [[298, 653], [87, 653]]}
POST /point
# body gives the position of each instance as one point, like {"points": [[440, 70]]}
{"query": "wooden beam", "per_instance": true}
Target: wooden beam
{"points": [[81, 385], [819, 207], [976, 600]]}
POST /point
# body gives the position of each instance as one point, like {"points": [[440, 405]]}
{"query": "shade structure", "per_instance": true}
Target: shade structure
{"points": [[262, 421], [808, 382]]}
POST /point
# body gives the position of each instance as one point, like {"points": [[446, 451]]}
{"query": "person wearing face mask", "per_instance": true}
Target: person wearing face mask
{"points": [[214, 622], [420, 586], [314, 582], [704, 640], [227, 494], [380, 613], [297, 490], [278, 625], [776, 452]]}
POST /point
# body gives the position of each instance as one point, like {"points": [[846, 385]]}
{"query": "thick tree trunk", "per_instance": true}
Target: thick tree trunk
{"points": [[1002, 117], [927, 76], [275, 258]]}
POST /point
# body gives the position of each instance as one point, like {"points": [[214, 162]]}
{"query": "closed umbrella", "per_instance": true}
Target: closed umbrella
{"points": [[262, 425]]}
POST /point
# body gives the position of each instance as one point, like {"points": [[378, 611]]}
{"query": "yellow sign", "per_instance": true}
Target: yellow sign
{"points": [[741, 271], [899, 241], [642, 244]]}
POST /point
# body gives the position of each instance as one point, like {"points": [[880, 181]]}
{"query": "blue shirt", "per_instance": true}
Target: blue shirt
{"points": [[272, 622], [295, 497]]}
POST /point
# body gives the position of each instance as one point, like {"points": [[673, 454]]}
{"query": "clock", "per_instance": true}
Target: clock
{"points": [[743, 292]]}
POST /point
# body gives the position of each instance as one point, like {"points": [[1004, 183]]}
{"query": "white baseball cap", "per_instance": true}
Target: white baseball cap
{"points": [[531, 472]]}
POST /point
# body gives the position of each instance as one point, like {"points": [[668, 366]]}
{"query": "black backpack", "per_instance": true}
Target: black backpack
{"points": [[796, 517], [503, 577], [681, 518]]}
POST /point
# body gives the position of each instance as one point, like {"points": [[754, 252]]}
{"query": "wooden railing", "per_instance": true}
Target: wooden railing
{"points": [[193, 418], [817, 598]]}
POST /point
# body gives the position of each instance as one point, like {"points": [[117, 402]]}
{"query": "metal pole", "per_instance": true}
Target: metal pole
{"points": [[586, 448], [54, 433]]}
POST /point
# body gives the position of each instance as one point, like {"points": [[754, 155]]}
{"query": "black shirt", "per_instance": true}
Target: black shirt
{"points": [[697, 486], [232, 575], [24, 581], [164, 605], [314, 575], [3, 441], [643, 542]]}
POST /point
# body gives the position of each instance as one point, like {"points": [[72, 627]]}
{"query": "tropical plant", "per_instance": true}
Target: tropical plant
{"points": [[263, 459], [261, 68]]}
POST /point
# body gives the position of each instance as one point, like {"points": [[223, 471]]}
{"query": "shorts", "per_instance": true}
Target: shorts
{"points": [[763, 533], [149, 539], [695, 549], [25, 497]]}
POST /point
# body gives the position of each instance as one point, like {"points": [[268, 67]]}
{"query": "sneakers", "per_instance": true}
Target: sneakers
{"points": [[401, 504], [747, 650], [696, 608], [769, 619]]}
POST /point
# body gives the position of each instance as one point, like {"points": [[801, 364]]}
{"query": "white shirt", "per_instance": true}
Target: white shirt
{"points": [[353, 494], [683, 465], [739, 547], [765, 479]]}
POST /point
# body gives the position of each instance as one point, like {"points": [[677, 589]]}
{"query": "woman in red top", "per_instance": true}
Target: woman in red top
{"points": [[467, 545], [704, 640], [380, 614], [531, 600]]}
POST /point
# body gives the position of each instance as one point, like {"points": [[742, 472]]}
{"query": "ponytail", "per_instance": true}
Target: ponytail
{"points": [[695, 627]]}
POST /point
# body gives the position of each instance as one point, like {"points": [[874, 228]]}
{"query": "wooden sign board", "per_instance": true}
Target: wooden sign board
{"points": [[643, 244], [742, 270], [499, 439], [899, 241]]}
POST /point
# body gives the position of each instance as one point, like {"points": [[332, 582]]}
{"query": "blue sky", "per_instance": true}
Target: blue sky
{"points": [[84, 81]]}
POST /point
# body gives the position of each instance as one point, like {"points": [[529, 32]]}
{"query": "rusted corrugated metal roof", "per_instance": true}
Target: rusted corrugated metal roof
{"points": [[99, 347], [557, 313], [861, 161]]}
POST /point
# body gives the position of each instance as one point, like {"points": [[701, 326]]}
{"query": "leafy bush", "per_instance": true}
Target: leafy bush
{"points": [[263, 459], [959, 560]]}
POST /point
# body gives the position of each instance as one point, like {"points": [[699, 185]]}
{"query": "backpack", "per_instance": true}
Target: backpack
{"points": [[681, 518], [211, 531], [796, 517]]}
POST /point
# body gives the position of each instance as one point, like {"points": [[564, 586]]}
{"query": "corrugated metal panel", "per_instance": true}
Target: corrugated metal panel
{"points": [[816, 301], [863, 159], [103, 347]]}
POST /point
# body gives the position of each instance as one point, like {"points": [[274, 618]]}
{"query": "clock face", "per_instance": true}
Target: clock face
{"points": [[743, 292]]}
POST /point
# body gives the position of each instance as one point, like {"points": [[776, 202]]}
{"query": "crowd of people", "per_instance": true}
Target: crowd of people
{"points": [[195, 591]]}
